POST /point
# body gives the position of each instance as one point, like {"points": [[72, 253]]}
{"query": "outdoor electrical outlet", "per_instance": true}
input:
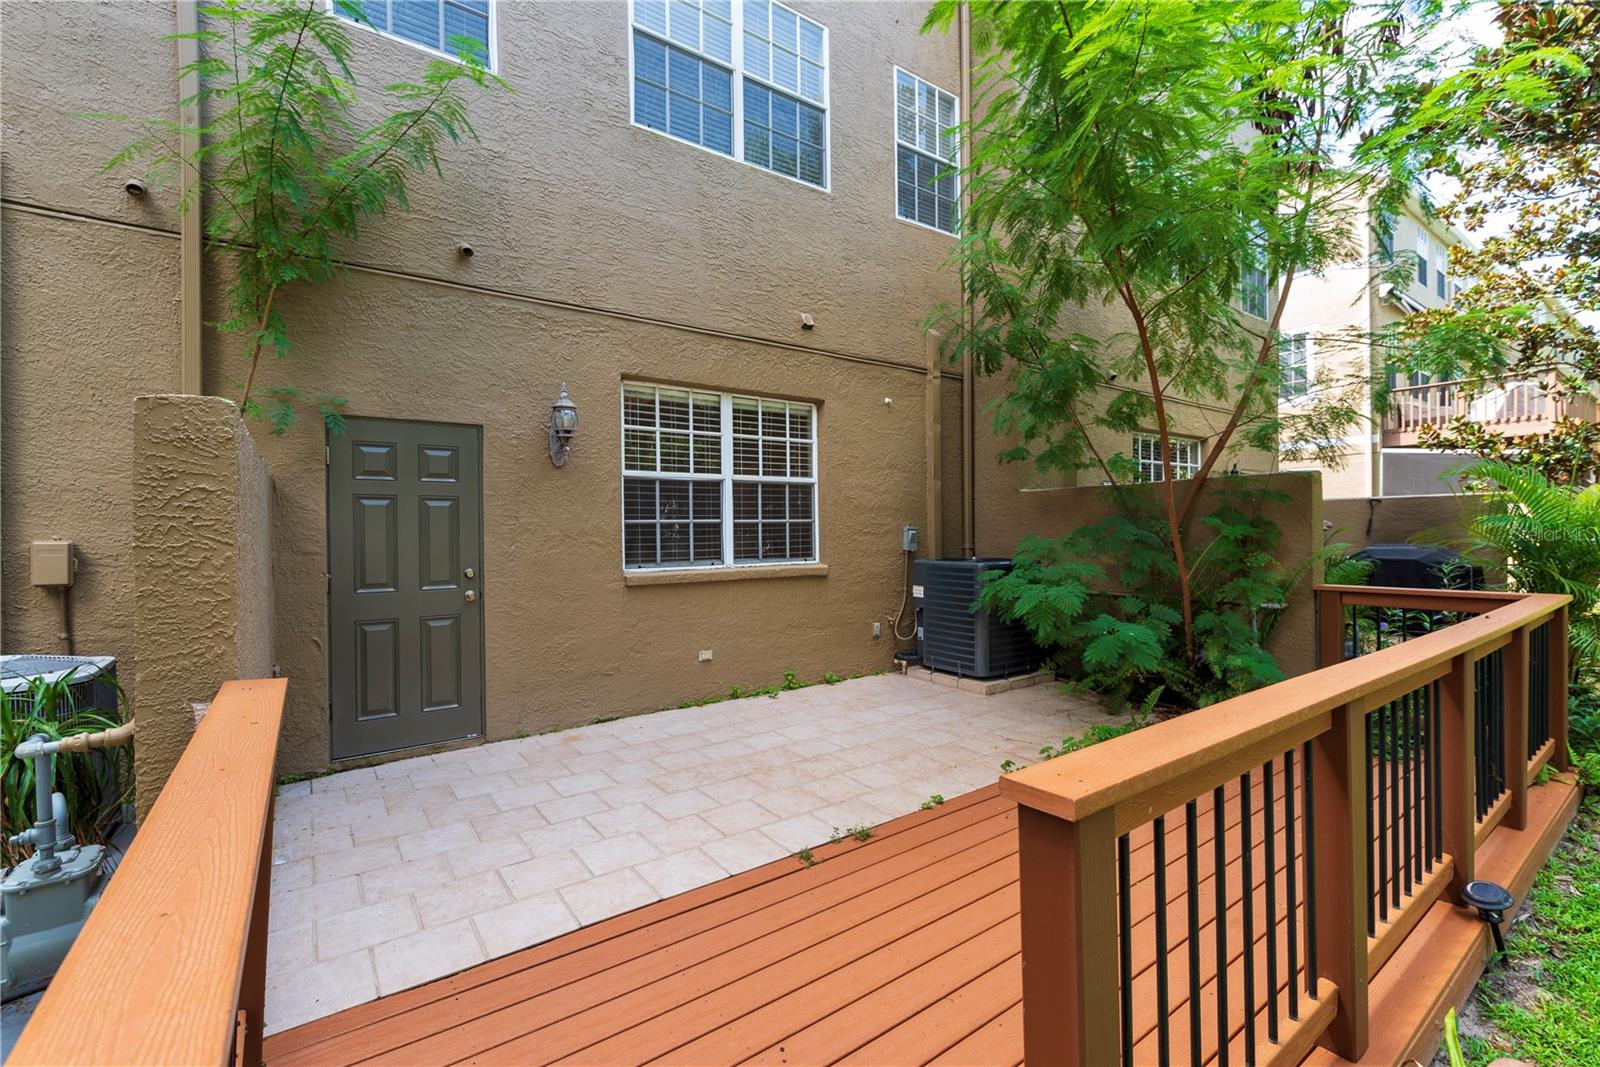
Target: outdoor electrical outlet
{"points": [[705, 655], [908, 539], [877, 629]]}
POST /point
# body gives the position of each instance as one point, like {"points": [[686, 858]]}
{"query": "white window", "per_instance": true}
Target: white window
{"points": [[747, 80], [1441, 267], [927, 152], [1424, 250], [447, 27], [1294, 365], [1147, 454], [1253, 279], [710, 479]]}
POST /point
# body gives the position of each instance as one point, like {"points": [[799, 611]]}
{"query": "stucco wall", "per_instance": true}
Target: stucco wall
{"points": [[89, 321], [1400, 519], [1056, 512], [202, 571]]}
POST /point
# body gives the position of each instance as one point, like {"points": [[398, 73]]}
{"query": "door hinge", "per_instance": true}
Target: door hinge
{"points": [[327, 455], [328, 580]]}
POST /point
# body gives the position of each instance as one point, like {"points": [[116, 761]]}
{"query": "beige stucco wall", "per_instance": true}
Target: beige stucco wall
{"points": [[201, 569], [602, 251], [1400, 519]]}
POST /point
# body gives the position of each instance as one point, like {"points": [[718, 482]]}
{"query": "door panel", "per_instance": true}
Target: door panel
{"points": [[406, 641]]}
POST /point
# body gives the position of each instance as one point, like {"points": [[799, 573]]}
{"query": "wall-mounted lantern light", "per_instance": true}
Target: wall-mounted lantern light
{"points": [[563, 426]]}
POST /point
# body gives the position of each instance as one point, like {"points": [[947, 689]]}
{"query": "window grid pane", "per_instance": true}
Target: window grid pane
{"points": [[927, 153], [784, 135], [677, 92], [1294, 368], [1185, 453], [429, 23], [674, 518]]}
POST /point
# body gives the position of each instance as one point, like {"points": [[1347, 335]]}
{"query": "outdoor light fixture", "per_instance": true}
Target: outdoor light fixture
{"points": [[1492, 902], [563, 425]]}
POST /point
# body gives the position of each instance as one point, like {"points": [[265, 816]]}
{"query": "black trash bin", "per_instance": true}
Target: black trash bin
{"points": [[1420, 567]]}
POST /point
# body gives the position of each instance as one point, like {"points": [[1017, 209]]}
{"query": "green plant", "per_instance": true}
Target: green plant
{"points": [[289, 172], [806, 857], [1546, 538], [1107, 599], [932, 802], [1452, 1040], [97, 785]]}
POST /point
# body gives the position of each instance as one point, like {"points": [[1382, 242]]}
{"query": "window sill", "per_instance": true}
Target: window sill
{"points": [[692, 576]]}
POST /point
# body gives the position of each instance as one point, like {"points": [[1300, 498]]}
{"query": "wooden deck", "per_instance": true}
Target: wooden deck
{"points": [[902, 949]]}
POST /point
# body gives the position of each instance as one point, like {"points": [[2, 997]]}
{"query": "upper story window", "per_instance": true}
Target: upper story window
{"points": [[1424, 245], [713, 478], [1147, 454], [927, 152], [1253, 280], [1294, 365], [1385, 230], [1441, 267], [747, 80], [437, 25]]}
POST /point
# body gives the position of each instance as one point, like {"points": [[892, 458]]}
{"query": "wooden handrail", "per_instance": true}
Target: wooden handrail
{"points": [[1171, 761], [170, 967]]}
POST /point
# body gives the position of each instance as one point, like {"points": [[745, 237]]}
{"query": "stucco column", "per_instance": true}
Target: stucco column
{"points": [[202, 570]]}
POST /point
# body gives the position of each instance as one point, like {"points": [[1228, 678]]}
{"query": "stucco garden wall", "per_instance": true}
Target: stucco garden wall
{"points": [[1056, 512], [202, 570], [1364, 521]]}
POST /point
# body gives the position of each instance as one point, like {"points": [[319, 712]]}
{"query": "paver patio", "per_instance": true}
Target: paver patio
{"points": [[386, 877]]}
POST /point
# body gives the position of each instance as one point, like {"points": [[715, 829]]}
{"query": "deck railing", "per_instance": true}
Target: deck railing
{"points": [[1519, 407], [1225, 884], [171, 966]]}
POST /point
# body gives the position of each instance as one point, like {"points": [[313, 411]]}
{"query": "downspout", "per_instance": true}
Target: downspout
{"points": [[968, 505], [190, 221]]}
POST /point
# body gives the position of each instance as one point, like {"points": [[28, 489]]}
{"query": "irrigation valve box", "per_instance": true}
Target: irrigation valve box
{"points": [[53, 563]]}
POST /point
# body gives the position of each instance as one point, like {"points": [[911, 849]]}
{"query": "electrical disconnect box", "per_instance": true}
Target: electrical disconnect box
{"points": [[908, 539], [53, 563]]}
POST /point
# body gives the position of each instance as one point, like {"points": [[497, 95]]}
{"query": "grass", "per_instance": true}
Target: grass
{"points": [[1540, 1003]]}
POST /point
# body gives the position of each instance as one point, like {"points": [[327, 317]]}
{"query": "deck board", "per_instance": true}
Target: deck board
{"points": [[902, 949]]}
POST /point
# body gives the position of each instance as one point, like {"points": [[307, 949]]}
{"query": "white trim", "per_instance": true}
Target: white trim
{"points": [[1181, 472], [738, 73], [725, 477], [896, 143], [493, 62], [1311, 373]]}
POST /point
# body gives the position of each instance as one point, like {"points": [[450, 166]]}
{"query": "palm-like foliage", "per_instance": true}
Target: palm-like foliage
{"points": [[96, 784], [1547, 537], [288, 171]]}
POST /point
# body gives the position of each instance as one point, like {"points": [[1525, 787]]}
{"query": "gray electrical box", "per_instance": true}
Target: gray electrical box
{"points": [[908, 539]]}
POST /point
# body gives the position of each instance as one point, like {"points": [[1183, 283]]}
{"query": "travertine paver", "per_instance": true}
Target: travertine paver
{"points": [[390, 876]]}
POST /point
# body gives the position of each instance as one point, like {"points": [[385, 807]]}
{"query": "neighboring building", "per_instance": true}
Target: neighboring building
{"points": [[1332, 330], [719, 225]]}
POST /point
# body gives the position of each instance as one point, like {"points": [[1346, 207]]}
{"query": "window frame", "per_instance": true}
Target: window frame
{"points": [[1260, 265], [1198, 444], [739, 72], [492, 62], [1306, 338], [896, 144], [1424, 247], [726, 478]]}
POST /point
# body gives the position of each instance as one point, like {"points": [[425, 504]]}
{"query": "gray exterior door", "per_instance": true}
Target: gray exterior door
{"points": [[405, 573]]}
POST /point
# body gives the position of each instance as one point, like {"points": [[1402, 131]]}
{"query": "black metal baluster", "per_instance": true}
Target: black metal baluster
{"points": [[1394, 805], [1372, 915], [1247, 880], [1308, 807], [1414, 740], [1219, 852], [1125, 945], [1402, 805], [1163, 1024], [1383, 818], [1291, 883], [1269, 813], [1436, 805], [1191, 841]]}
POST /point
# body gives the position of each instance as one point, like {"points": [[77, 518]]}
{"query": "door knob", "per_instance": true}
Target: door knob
{"points": [[471, 595]]}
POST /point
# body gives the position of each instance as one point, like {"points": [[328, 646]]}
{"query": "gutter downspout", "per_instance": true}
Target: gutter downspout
{"points": [[968, 505], [190, 221]]}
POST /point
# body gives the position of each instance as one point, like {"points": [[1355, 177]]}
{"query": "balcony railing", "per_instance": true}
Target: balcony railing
{"points": [[1221, 887], [171, 966], [1513, 408]]}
